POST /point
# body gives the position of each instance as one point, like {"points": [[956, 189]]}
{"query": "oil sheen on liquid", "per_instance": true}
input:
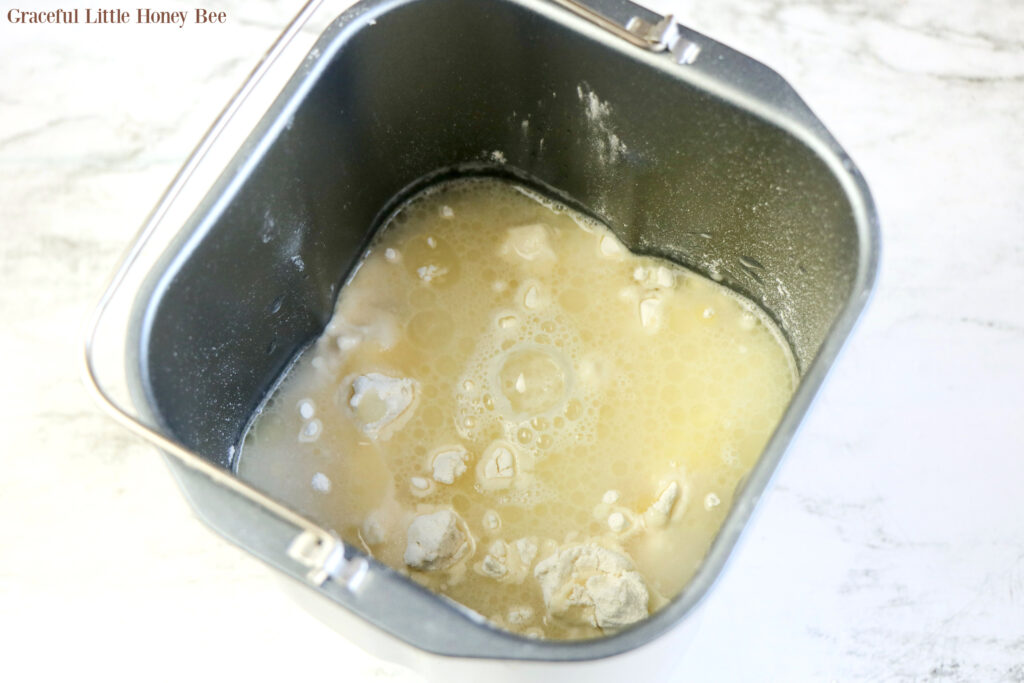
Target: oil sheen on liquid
{"points": [[516, 411]]}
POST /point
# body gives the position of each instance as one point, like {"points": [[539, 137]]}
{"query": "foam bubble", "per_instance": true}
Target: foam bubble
{"points": [[521, 385]]}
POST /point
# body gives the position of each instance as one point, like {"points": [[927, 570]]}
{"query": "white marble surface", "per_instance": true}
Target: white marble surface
{"points": [[890, 548]]}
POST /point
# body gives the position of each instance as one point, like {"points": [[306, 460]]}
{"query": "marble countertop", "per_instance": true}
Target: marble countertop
{"points": [[891, 546]]}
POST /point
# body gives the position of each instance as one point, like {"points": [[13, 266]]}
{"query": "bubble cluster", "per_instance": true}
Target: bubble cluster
{"points": [[522, 383]]}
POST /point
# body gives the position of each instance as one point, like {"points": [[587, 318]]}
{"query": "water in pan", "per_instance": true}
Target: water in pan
{"points": [[519, 413]]}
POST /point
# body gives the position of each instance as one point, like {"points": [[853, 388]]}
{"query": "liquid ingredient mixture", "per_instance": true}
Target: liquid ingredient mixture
{"points": [[521, 414]]}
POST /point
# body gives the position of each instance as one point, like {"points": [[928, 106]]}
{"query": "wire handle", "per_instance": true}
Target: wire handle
{"points": [[660, 36], [319, 550]]}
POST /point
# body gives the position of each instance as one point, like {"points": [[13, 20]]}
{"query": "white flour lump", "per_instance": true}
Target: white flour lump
{"points": [[660, 511], [382, 404], [497, 466], [448, 464], [591, 585], [435, 541], [529, 243], [372, 529], [508, 562]]}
